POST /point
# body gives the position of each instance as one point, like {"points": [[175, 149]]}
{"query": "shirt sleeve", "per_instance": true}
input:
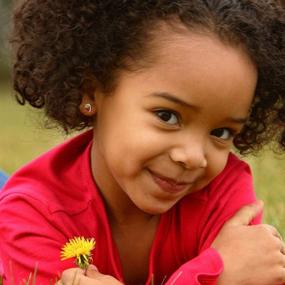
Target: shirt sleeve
{"points": [[228, 194], [30, 242], [202, 270]]}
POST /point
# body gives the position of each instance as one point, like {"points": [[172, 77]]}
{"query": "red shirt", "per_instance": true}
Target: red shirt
{"points": [[54, 198]]}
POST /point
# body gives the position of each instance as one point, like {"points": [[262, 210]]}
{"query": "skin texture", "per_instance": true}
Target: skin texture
{"points": [[251, 254], [160, 137], [76, 276]]}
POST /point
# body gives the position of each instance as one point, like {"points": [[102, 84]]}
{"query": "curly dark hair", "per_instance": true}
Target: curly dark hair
{"points": [[61, 45]]}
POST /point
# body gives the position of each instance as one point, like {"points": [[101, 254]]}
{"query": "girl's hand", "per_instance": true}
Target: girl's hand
{"points": [[77, 276], [252, 254]]}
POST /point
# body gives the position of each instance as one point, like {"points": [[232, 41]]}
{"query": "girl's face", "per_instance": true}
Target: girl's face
{"points": [[167, 130]]}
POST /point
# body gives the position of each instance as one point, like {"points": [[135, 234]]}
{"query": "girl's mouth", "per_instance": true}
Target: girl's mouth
{"points": [[169, 185]]}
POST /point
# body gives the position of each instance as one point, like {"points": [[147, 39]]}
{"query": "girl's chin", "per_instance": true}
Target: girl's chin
{"points": [[157, 208]]}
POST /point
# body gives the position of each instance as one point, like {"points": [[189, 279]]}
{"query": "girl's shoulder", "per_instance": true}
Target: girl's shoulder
{"points": [[236, 174], [203, 213], [55, 179], [236, 171]]}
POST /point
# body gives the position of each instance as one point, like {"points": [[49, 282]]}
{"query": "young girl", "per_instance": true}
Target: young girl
{"points": [[167, 87]]}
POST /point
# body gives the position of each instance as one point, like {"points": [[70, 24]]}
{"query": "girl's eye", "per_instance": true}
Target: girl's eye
{"points": [[169, 117], [223, 133]]}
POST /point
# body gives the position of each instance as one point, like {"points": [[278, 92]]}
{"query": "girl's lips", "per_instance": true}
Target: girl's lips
{"points": [[169, 185]]}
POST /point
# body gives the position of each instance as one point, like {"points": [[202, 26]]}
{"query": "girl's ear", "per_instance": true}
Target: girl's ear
{"points": [[87, 106], [88, 88]]}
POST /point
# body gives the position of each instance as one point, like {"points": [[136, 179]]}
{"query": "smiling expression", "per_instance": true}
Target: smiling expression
{"points": [[167, 130]]}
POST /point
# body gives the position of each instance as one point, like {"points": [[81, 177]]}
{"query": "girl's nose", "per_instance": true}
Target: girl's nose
{"points": [[190, 156]]}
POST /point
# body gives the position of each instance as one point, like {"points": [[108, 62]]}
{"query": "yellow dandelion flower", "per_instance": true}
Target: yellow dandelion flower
{"points": [[80, 248]]}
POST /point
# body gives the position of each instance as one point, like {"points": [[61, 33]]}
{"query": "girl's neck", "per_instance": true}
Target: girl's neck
{"points": [[126, 217], [138, 233], [123, 213]]}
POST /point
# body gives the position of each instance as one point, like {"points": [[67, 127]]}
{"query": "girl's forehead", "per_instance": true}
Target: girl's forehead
{"points": [[182, 50], [197, 64], [196, 73], [173, 40]]}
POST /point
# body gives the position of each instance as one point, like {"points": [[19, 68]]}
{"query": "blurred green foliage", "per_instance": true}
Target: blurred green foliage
{"points": [[5, 26]]}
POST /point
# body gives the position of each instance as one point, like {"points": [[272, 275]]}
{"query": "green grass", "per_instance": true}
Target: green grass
{"points": [[269, 181], [23, 137], [22, 134]]}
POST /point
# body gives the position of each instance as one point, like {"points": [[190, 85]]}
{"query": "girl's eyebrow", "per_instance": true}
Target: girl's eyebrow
{"points": [[240, 121], [174, 99]]}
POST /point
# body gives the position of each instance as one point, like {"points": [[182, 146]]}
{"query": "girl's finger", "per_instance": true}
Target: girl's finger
{"points": [[71, 276], [91, 270], [274, 231]]}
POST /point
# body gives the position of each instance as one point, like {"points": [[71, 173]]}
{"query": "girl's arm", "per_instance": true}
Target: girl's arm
{"points": [[241, 254], [251, 255]]}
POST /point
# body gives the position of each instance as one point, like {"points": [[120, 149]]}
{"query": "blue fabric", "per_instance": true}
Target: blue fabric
{"points": [[3, 179]]}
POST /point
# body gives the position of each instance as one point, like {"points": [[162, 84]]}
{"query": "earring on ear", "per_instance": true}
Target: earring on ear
{"points": [[88, 107]]}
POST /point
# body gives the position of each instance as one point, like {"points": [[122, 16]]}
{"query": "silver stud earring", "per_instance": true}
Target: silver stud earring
{"points": [[88, 107]]}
